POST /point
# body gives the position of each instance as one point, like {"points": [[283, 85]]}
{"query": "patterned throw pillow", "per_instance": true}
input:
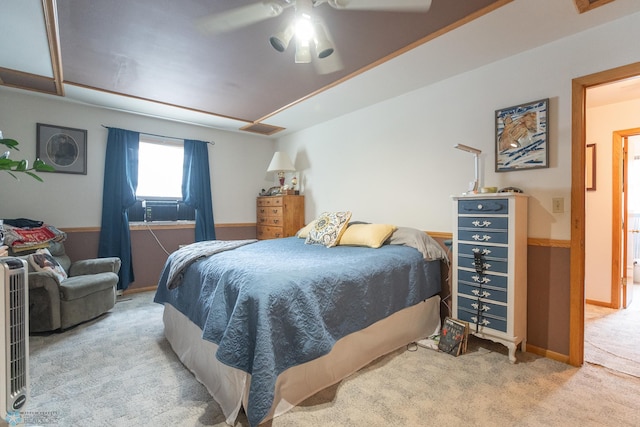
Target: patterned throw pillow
{"points": [[42, 260], [328, 228]]}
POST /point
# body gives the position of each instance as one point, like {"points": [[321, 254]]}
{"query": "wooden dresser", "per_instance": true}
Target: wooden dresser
{"points": [[279, 216]]}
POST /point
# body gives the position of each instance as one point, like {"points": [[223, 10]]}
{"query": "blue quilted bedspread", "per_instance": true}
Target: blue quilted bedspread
{"points": [[274, 304]]}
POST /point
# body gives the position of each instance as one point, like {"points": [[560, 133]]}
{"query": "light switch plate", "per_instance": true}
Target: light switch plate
{"points": [[558, 205]]}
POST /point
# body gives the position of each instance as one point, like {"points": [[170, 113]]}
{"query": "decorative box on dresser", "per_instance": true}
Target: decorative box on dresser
{"points": [[489, 283], [279, 216]]}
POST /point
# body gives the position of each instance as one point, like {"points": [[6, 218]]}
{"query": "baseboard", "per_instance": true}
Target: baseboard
{"points": [[548, 353], [138, 290], [600, 303]]}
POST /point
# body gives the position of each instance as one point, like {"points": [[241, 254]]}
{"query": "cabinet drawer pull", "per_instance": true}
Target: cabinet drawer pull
{"points": [[485, 265], [484, 251], [484, 238], [275, 221], [479, 206], [479, 279], [482, 307], [484, 322], [484, 294], [274, 210], [481, 224]]}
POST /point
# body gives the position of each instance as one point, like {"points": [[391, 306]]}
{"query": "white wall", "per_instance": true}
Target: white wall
{"points": [[395, 161], [601, 123], [238, 162]]}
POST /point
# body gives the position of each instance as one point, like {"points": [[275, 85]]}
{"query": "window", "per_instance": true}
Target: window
{"points": [[159, 169], [159, 191]]}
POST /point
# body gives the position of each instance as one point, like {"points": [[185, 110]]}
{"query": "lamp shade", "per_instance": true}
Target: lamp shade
{"points": [[280, 163]]}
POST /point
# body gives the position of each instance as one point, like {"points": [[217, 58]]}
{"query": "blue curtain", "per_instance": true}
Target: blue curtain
{"points": [[119, 192], [196, 187]]}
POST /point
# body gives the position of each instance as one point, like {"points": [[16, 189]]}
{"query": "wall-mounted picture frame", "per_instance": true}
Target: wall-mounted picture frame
{"points": [[590, 169], [63, 148], [522, 136]]}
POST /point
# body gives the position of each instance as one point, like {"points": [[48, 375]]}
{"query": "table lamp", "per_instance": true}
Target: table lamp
{"points": [[473, 186], [281, 163]]}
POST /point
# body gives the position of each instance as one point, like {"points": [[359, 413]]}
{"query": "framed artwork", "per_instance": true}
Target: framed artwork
{"points": [[590, 169], [63, 148], [522, 137]]}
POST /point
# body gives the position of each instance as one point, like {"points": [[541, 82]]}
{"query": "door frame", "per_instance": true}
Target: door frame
{"points": [[619, 230], [578, 140]]}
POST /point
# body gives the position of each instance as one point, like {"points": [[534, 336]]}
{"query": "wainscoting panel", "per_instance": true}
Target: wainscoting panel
{"points": [[148, 254], [547, 272]]}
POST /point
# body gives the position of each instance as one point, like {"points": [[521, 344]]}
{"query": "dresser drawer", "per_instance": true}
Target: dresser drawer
{"points": [[267, 211], [483, 321], [474, 278], [487, 252], [266, 232], [486, 308], [497, 206], [484, 223], [275, 221], [483, 236], [494, 294], [488, 265], [270, 201]]}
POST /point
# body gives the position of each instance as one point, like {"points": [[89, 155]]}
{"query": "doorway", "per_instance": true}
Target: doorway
{"points": [[578, 150], [625, 209], [631, 144]]}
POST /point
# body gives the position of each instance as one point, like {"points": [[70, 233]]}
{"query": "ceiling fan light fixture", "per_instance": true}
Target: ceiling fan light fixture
{"points": [[304, 27], [323, 45], [280, 40], [303, 51]]}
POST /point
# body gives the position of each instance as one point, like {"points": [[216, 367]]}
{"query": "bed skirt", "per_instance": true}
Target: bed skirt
{"points": [[229, 386]]}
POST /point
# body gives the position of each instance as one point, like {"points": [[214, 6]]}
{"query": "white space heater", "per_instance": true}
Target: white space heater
{"points": [[14, 335]]}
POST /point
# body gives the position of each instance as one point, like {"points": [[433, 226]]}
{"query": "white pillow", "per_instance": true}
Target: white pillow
{"points": [[42, 260]]}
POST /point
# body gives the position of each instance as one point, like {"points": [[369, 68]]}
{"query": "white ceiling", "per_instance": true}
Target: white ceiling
{"points": [[623, 90], [516, 27]]}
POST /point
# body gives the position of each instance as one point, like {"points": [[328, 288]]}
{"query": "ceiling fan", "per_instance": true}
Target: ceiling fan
{"points": [[309, 31]]}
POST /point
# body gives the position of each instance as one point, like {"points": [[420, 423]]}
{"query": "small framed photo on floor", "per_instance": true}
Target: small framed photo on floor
{"points": [[63, 148]]}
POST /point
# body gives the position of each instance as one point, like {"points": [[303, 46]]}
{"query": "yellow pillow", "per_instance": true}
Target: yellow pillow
{"points": [[304, 231], [371, 235]]}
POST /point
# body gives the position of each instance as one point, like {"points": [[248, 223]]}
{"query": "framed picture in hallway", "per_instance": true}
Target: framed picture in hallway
{"points": [[590, 167], [63, 148]]}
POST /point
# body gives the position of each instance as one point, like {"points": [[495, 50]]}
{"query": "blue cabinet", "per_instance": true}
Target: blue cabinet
{"points": [[489, 287]]}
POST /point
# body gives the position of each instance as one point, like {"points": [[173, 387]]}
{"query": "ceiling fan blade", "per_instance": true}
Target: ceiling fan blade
{"points": [[239, 17], [389, 5]]}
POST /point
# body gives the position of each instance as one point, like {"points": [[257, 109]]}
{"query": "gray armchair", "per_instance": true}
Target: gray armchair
{"points": [[87, 292]]}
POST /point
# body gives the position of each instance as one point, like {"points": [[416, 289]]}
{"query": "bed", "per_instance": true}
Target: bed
{"points": [[266, 324]]}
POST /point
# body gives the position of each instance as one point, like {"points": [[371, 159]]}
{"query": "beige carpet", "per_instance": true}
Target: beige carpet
{"points": [[119, 370], [612, 337]]}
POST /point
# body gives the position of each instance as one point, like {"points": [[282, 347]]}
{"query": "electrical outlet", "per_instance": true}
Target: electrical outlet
{"points": [[558, 205]]}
